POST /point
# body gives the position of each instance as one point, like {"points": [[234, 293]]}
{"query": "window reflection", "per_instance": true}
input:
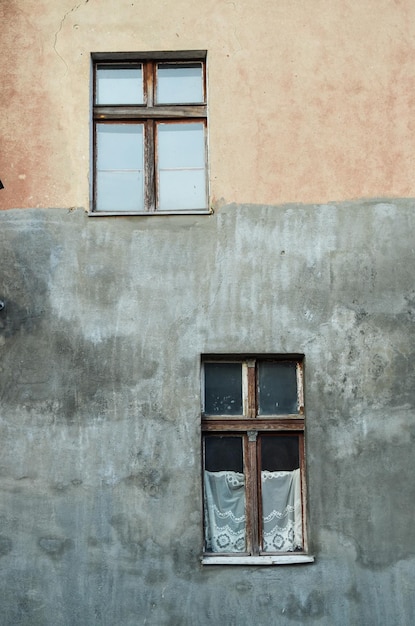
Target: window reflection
{"points": [[179, 83], [119, 86], [181, 166], [119, 166]]}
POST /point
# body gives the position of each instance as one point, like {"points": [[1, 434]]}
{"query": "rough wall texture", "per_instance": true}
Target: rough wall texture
{"points": [[100, 345], [106, 319]]}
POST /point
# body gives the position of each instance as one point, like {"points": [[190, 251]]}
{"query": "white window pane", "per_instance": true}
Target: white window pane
{"points": [[119, 146], [181, 145], [119, 167], [182, 190], [181, 172], [120, 191], [179, 83], [119, 86]]}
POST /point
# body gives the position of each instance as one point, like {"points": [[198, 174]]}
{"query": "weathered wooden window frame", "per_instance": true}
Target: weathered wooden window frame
{"points": [[149, 114], [249, 425]]}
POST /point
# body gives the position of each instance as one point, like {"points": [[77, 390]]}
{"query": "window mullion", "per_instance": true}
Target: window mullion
{"points": [[149, 166], [251, 389], [149, 84], [251, 492]]}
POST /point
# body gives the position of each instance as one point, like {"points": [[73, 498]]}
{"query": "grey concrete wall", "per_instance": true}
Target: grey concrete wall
{"points": [[100, 344]]}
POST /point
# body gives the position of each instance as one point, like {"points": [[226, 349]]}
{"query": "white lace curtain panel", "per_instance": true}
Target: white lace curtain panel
{"points": [[225, 511]]}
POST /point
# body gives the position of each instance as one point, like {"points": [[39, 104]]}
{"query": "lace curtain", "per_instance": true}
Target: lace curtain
{"points": [[225, 511], [281, 508]]}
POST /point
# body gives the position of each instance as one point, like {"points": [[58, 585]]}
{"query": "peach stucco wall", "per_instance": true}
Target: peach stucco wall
{"points": [[308, 101]]}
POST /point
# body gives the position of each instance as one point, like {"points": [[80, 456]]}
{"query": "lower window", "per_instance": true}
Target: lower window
{"points": [[253, 460]]}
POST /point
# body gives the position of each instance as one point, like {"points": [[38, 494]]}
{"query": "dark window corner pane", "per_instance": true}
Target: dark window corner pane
{"points": [[280, 453], [277, 388], [223, 388], [223, 453]]}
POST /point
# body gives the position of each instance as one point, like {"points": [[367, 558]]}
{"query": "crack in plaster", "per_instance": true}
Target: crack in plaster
{"points": [[75, 8]]}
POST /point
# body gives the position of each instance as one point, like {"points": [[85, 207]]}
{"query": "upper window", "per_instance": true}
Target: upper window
{"points": [[253, 460], [150, 133]]}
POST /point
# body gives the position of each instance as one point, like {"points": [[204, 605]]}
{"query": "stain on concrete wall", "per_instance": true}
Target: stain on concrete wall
{"points": [[101, 337]]}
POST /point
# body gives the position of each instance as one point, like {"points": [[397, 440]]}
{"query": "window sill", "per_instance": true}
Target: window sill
{"points": [[271, 559], [147, 213]]}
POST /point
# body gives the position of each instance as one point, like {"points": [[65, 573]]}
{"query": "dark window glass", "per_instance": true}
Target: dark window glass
{"points": [[277, 388], [223, 388], [279, 454], [223, 453]]}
